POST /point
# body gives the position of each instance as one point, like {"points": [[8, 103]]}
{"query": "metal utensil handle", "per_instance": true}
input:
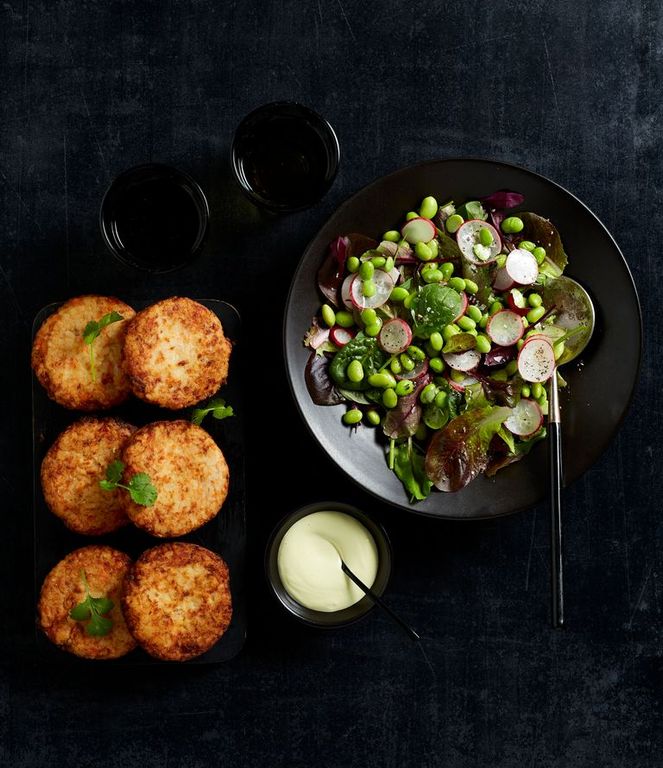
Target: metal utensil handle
{"points": [[556, 470]]}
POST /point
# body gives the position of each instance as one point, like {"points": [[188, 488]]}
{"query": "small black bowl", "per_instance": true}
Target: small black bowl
{"points": [[154, 217], [322, 619], [285, 156]]}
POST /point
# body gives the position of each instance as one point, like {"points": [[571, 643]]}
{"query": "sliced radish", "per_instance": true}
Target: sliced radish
{"points": [[384, 286], [517, 302], [505, 328], [502, 281], [521, 267], [463, 361], [467, 238], [345, 292], [418, 230], [419, 370], [525, 419], [463, 306], [395, 336], [395, 275], [341, 336], [536, 360]]}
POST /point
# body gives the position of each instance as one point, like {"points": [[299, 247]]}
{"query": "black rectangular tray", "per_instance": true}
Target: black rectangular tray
{"points": [[225, 534]]}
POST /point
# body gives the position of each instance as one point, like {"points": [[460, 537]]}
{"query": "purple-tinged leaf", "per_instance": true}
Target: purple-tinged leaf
{"points": [[319, 383]]}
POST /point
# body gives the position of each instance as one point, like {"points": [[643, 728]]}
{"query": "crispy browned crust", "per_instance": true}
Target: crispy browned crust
{"points": [[72, 469], [61, 359], [176, 353], [177, 600], [105, 569], [188, 470]]}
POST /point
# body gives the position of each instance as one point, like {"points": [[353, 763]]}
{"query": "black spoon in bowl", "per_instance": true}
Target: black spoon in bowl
{"points": [[574, 312]]}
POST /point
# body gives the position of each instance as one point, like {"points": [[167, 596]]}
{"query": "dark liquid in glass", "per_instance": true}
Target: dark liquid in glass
{"points": [[285, 161]]}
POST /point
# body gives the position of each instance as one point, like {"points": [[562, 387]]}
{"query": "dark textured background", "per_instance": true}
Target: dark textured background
{"points": [[570, 89]]}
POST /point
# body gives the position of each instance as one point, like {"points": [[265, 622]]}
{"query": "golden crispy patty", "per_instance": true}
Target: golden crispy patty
{"points": [[188, 470], [177, 600], [61, 358], [72, 469], [105, 569], [175, 353]]}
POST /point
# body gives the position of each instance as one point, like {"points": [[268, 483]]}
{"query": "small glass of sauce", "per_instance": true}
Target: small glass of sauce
{"points": [[285, 156], [303, 563], [154, 217]]}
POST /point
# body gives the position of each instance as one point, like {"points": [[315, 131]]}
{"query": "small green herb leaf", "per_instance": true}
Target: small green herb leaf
{"points": [[141, 490], [99, 626], [114, 472], [91, 610], [93, 329], [217, 407], [101, 604], [81, 612]]}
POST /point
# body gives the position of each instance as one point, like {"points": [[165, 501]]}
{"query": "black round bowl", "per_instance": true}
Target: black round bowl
{"points": [[152, 177], [264, 125], [323, 619]]}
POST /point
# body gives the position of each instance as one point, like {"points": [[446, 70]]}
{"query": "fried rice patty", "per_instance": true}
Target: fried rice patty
{"points": [[72, 469], [175, 353], [177, 600], [105, 569], [61, 358], [188, 470]]}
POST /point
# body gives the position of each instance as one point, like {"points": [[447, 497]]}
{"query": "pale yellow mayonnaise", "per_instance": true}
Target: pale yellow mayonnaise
{"points": [[309, 560]]}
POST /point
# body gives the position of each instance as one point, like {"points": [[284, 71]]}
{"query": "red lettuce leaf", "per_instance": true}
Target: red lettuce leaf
{"points": [[319, 383], [503, 199], [403, 420], [332, 269]]}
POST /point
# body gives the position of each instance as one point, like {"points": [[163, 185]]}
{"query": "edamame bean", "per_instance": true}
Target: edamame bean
{"points": [[483, 343], [539, 254], [511, 367], [433, 276], [407, 301], [447, 269], [534, 300], [407, 362], [457, 283], [543, 403], [416, 353], [466, 323], [454, 223], [527, 245], [366, 271], [392, 236], [372, 417], [368, 316], [484, 320], [458, 376], [411, 215], [474, 312], [374, 328], [355, 371], [471, 286], [486, 236], [423, 252], [398, 294], [344, 319], [537, 390], [428, 207], [404, 387], [353, 416], [389, 398], [436, 364], [428, 393], [434, 248], [352, 264], [525, 391], [450, 330], [378, 262], [519, 344], [535, 314], [328, 315], [388, 263], [558, 349], [368, 288], [382, 380], [436, 341], [500, 260], [495, 307], [441, 399], [395, 366], [512, 224]]}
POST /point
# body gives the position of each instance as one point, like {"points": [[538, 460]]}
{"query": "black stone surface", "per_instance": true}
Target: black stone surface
{"points": [[569, 89]]}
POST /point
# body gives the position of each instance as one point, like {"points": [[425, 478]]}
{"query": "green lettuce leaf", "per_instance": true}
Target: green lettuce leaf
{"points": [[434, 307], [362, 348], [410, 470]]}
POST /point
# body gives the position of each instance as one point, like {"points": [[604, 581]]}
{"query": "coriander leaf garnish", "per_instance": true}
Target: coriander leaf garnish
{"points": [[217, 407], [140, 486], [92, 610], [93, 329]]}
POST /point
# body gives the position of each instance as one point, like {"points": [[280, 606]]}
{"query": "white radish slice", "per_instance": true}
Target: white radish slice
{"points": [[463, 307], [521, 267], [463, 361], [468, 236], [505, 328], [525, 419], [502, 281], [517, 302], [418, 230], [395, 275], [536, 360], [395, 336], [384, 286], [341, 336], [345, 292]]}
